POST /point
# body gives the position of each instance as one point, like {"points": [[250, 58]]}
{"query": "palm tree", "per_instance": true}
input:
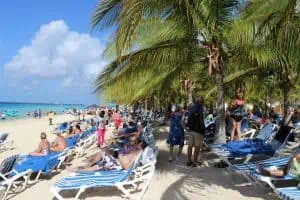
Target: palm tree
{"points": [[164, 38], [278, 25]]}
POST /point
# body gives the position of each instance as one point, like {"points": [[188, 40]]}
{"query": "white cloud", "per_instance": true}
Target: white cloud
{"points": [[56, 52], [26, 87]]}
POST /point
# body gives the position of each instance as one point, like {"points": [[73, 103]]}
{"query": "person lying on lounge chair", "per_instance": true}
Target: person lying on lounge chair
{"points": [[77, 129], [43, 148], [292, 169], [105, 160], [70, 132], [59, 143]]}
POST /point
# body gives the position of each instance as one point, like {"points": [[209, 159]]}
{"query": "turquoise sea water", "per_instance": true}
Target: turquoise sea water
{"points": [[22, 109]]}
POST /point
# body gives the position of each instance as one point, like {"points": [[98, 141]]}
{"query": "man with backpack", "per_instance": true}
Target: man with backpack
{"points": [[196, 128]]}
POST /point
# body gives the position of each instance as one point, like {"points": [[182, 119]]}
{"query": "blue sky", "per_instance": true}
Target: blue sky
{"points": [[47, 53]]}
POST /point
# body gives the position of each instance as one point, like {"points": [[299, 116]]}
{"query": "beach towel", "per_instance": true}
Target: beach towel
{"points": [[37, 163], [249, 146]]}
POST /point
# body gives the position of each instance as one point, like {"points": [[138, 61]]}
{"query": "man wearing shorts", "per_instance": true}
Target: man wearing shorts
{"points": [[196, 128]]}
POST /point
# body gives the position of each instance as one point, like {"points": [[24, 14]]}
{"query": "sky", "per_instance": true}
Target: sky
{"points": [[48, 52]]}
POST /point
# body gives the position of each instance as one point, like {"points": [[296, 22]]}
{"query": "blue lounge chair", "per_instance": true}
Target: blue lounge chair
{"points": [[40, 164], [249, 170], [288, 193], [10, 179], [115, 178], [277, 143], [5, 144], [265, 134]]}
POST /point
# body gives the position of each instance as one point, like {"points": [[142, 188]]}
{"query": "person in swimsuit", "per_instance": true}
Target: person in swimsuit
{"points": [[70, 132], [77, 129], [43, 148], [107, 159], [237, 105], [292, 169], [59, 143]]}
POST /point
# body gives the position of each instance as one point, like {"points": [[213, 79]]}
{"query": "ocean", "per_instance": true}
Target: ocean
{"points": [[21, 110]]}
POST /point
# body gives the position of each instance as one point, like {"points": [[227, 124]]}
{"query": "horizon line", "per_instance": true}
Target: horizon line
{"points": [[11, 102]]}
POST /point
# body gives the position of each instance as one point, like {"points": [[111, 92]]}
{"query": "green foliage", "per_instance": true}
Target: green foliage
{"points": [[158, 43]]}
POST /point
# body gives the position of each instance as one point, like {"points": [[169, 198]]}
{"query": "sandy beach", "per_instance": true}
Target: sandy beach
{"points": [[171, 181]]}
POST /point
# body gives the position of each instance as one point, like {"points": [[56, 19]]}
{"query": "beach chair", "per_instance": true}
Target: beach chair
{"points": [[10, 179], [265, 134], [278, 142], [134, 176], [250, 171], [84, 144], [288, 193], [40, 164], [5, 144]]}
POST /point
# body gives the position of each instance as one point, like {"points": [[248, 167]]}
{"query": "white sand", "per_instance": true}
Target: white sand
{"points": [[172, 180]]}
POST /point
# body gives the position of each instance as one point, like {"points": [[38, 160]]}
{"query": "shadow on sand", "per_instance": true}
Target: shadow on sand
{"points": [[204, 181]]}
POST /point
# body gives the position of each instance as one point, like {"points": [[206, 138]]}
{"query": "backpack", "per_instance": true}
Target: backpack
{"points": [[196, 123]]}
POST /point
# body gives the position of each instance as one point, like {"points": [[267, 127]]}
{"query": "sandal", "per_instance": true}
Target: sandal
{"points": [[220, 165], [199, 163]]}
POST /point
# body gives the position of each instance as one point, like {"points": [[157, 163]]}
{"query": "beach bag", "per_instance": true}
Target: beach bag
{"points": [[196, 123]]}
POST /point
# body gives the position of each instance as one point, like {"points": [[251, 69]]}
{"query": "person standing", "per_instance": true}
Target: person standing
{"points": [[40, 113], [196, 128], [50, 116], [101, 132], [83, 115], [237, 113], [3, 116], [176, 133], [117, 119]]}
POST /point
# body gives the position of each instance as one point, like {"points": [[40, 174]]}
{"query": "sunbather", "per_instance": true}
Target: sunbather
{"points": [[107, 161], [70, 132], [77, 129], [43, 148], [292, 169], [59, 143]]}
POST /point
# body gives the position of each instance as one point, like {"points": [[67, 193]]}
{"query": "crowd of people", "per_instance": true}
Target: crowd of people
{"points": [[190, 119], [107, 158]]}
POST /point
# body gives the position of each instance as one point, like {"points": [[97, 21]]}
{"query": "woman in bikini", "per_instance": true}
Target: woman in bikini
{"points": [[237, 106], [43, 148]]}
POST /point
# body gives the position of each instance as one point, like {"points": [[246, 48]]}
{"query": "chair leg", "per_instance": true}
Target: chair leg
{"points": [[55, 191], [7, 190], [125, 192], [81, 190]]}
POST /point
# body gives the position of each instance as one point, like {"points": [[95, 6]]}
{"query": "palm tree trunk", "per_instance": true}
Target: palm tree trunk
{"points": [[220, 120], [286, 92], [266, 103]]}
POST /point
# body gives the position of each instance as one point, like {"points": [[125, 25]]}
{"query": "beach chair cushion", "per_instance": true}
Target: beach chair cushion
{"points": [[38, 163], [92, 179], [289, 193], [96, 179], [279, 162]]}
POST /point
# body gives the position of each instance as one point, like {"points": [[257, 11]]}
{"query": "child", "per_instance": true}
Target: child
{"points": [[101, 133]]}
